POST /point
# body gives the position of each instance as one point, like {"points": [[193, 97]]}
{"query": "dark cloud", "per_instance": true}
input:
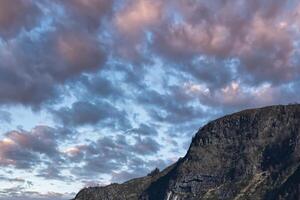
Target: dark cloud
{"points": [[13, 155], [87, 13], [31, 66], [59, 50], [257, 34], [52, 172], [85, 113], [101, 86], [173, 106], [24, 150], [145, 130], [213, 72], [110, 154], [82, 113], [145, 146], [17, 15]]}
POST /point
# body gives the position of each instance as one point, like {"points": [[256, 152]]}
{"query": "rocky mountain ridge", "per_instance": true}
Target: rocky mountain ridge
{"points": [[252, 154]]}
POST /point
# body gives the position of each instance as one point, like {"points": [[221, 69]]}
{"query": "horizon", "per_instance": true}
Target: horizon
{"points": [[94, 92]]}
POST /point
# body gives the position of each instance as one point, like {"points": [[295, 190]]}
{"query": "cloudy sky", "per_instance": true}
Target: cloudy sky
{"points": [[101, 91]]}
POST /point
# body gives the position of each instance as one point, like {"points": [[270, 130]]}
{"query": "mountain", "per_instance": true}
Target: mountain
{"points": [[253, 154]]}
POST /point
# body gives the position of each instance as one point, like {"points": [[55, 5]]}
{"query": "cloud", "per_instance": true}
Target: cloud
{"points": [[31, 66], [5, 117], [18, 193], [79, 51], [137, 15], [267, 52], [173, 106], [202, 39], [23, 150], [12, 155], [62, 51], [87, 12], [145, 130], [236, 96], [123, 79], [139, 168], [85, 113], [15, 180], [215, 73], [101, 86], [111, 154], [85, 35], [18, 15], [145, 146], [52, 172], [251, 32], [131, 23]]}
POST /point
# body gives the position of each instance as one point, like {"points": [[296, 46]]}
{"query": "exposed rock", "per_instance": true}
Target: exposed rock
{"points": [[253, 154], [154, 172]]}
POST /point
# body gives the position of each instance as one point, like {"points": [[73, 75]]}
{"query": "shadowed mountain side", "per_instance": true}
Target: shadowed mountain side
{"points": [[252, 154]]}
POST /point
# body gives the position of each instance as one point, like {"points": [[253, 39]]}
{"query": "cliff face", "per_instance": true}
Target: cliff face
{"points": [[253, 154]]}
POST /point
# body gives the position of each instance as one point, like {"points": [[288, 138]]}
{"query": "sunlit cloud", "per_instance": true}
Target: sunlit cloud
{"points": [[118, 84]]}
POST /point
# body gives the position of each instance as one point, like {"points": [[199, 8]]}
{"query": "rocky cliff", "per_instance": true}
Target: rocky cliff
{"points": [[253, 154]]}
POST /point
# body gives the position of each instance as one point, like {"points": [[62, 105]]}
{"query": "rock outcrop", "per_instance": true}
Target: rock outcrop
{"points": [[253, 154]]}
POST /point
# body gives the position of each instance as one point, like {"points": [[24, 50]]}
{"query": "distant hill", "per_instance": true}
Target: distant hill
{"points": [[253, 154]]}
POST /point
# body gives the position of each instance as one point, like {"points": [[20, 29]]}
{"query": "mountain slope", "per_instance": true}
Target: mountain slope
{"points": [[253, 154]]}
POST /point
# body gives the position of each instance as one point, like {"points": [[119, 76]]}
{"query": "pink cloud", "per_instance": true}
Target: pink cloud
{"points": [[258, 35], [16, 15], [235, 95], [137, 15], [21, 148], [79, 51]]}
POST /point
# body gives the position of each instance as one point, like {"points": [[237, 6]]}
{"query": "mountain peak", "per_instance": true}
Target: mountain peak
{"points": [[252, 154]]}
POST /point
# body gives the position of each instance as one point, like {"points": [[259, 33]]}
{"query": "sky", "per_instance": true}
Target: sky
{"points": [[100, 91]]}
